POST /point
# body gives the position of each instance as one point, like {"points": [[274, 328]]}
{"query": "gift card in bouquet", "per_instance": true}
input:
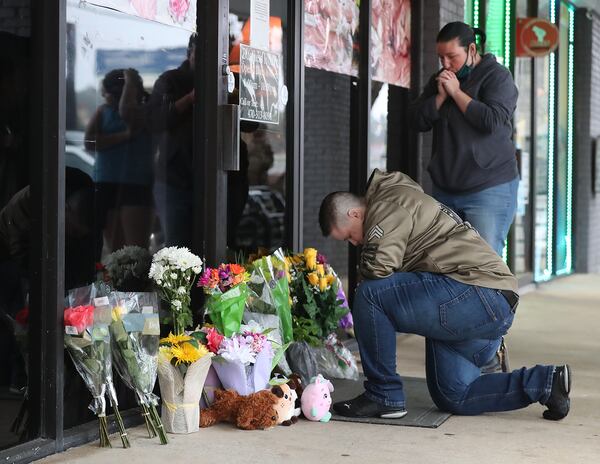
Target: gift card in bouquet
{"points": [[102, 310]]}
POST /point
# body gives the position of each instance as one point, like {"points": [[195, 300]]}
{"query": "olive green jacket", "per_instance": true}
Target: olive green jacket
{"points": [[406, 230]]}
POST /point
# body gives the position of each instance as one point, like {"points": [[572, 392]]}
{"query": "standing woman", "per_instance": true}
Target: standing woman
{"points": [[469, 104]]}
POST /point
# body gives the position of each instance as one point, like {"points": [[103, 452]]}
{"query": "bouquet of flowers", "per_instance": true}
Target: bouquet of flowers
{"points": [[87, 339], [316, 308], [173, 270], [135, 332], [270, 294], [183, 363], [127, 269], [245, 360], [227, 290], [319, 308]]}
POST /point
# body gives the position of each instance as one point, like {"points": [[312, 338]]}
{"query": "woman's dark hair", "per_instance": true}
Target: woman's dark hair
{"points": [[461, 31], [113, 83]]}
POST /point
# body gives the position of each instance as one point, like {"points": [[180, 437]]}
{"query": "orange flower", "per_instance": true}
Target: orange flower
{"points": [[237, 269]]}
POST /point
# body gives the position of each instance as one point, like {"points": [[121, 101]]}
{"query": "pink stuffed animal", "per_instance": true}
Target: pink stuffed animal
{"points": [[316, 399]]}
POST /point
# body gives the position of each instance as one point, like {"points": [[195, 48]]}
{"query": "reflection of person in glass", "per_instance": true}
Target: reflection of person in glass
{"points": [[469, 104], [123, 167], [171, 105]]}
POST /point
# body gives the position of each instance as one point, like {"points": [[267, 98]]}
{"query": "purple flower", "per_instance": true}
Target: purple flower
{"points": [[321, 259], [346, 322]]}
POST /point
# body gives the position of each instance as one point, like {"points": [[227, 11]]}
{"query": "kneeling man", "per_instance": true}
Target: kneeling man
{"points": [[429, 273]]}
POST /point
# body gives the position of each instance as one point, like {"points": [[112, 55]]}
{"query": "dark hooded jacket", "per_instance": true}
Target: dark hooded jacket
{"points": [[471, 151]]}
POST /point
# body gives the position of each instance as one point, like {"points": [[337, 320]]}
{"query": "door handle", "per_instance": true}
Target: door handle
{"points": [[230, 137]]}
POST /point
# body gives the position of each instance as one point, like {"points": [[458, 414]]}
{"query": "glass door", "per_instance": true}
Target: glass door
{"points": [[256, 192]]}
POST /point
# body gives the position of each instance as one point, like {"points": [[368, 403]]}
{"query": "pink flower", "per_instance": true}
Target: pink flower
{"points": [[145, 8], [79, 317], [178, 9]]}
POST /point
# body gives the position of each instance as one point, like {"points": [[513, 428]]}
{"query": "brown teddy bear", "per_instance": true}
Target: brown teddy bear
{"points": [[251, 412]]}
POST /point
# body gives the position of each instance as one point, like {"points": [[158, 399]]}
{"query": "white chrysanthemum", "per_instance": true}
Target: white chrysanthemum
{"points": [[176, 304], [181, 290], [174, 261], [156, 271]]}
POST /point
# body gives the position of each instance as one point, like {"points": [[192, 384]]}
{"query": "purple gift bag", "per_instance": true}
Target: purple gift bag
{"points": [[245, 378], [211, 384]]}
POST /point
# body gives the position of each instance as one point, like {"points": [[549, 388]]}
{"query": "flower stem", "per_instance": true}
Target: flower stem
{"points": [[103, 429], [158, 425], [122, 430], [148, 420]]}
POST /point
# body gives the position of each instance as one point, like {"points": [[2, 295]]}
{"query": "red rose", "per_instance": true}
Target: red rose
{"points": [[213, 339], [79, 317]]}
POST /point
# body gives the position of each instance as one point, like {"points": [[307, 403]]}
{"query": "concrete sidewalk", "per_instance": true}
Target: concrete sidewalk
{"points": [[559, 322]]}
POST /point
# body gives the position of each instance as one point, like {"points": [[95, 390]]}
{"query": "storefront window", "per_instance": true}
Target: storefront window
{"points": [[256, 194], [379, 127], [128, 148], [564, 147], [522, 224], [523, 68], [15, 221], [544, 130]]}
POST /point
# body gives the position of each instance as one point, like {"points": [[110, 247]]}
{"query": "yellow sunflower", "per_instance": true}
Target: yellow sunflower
{"points": [[188, 353], [175, 339]]}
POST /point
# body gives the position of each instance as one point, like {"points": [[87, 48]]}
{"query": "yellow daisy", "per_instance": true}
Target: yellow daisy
{"points": [[188, 353], [175, 339]]}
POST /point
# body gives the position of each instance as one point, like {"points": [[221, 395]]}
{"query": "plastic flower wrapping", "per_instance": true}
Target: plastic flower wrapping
{"points": [[227, 290], [245, 359], [87, 339], [173, 271], [127, 269], [183, 363], [269, 299], [135, 333]]}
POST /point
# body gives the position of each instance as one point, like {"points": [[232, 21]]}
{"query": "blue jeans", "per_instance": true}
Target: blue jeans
{"points": [[463, 325], [490, 211]]}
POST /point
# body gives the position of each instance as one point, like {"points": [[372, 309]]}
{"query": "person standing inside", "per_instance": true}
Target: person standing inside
{"points": [[469, 105]]}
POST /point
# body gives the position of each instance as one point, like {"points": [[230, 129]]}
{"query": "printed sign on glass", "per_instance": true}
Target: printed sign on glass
{"points": [[331, 35], [390, 42], [259, 85], [181, 13]]}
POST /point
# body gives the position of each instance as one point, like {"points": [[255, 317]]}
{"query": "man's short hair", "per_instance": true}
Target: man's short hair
{"points": [[334, 207]]}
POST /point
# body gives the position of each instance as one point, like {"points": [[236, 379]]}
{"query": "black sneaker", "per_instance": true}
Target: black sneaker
{"points": [[361, 406], [499, 362], [558, 403]]}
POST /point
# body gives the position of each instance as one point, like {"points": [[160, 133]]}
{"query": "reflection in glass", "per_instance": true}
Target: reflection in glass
{"points": [[15, 223], [378, 127], [523, 69], [256, 193], [128, 150]]}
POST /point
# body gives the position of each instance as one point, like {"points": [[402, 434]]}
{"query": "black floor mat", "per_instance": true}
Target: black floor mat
{"points": [[421, 410]]}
